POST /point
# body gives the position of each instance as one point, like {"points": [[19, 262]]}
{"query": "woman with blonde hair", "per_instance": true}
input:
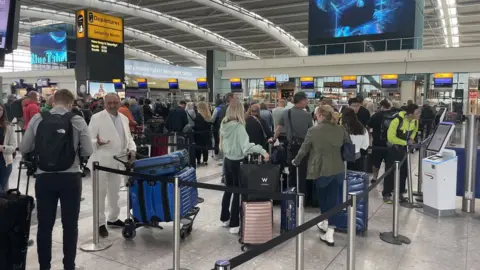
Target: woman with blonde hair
{"points": [[202, 128], [325, 163], [235, 145]]}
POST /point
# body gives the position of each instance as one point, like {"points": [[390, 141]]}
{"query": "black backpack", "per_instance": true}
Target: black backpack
{"points": [[387, 119], [54, 146], [16, 109]]}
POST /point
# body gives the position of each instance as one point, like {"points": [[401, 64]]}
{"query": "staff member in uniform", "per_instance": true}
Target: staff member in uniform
{"points": [[401, 132]]}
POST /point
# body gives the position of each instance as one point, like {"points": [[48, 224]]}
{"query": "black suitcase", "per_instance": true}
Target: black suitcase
{"points": [[15, 217]]}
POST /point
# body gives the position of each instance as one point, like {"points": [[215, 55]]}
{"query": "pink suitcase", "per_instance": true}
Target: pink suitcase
{"points": [[257, 223]]}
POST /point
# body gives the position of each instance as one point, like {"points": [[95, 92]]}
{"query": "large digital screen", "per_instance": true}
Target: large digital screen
{"points": [[50, 47], [443, 82], [202, 85], [307, 85], [99, 90], [270, 85], [389, 83], [347, 18], [4, 19], [349, 84]]}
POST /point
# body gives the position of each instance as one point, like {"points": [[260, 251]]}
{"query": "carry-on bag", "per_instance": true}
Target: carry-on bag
{"points": [[188, 195], [256, 223], [15, 218], [288, 217], [159, 147], [262, 177], [356, 182]]}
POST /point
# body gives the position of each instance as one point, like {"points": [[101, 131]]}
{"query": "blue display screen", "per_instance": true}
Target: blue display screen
{"points": [[202, 85], [443, 82], [390, 83], [47, 48], [270, 85], [347, 18], [143, 85], [349, 84], [310, 95], [173, 85], [307, 85], [236, 85], [118, 86]]}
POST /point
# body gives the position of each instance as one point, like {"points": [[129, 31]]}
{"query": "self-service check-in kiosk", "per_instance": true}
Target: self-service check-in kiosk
{"points": [[440, 174]]}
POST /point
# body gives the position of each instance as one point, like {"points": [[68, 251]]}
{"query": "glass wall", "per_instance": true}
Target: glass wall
{"points": [[19, 60]]}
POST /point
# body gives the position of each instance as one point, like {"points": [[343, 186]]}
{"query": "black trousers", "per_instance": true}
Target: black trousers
{"points": [[49, 188], [396, 153], [199, 152], [231, 208], [216, 138]]}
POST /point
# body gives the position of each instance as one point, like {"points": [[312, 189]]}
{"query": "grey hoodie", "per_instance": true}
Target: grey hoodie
{"points": [[235, 141]]}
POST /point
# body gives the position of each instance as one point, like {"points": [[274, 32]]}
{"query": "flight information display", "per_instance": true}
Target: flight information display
{"points": [[4, 19], [50, 47], [347, 18]]}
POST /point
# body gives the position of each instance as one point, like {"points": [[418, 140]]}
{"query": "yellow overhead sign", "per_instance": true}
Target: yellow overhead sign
{"points": [[105, 34], [306, 79], [172, 80], [235, 80], [443, 75], [80, 23], [390, 77], [201, 79], [349, 78], [269, 79], [141, 80], [116, 80], [105, 21]]}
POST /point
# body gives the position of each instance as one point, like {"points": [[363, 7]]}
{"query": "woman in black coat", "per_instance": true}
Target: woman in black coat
{"points": [[257, 129], [202, 136]]}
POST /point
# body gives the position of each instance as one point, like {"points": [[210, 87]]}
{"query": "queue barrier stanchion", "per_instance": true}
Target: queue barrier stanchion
{"points": [[96, 244], [352, 231], [300, 257], [222, 265], [410, 203], [393, 237], [176, 228]]}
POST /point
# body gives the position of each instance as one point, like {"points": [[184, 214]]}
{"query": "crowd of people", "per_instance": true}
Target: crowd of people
{"points": [[101, 128]]}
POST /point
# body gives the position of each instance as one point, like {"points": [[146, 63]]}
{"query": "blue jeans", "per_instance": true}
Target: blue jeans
{"points": [[329, 191], [5, 172]]}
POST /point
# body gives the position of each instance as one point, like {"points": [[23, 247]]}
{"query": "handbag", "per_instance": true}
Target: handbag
{"points": [[348, 148], [262, 177]]}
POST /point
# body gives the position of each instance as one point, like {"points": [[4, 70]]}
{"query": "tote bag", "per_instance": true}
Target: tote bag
{"points": [[262, 177], [348, 148]]}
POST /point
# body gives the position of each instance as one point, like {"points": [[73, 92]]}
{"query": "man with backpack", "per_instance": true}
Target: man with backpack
{"points": [[401, 133], [379, 123], [57, 140]]}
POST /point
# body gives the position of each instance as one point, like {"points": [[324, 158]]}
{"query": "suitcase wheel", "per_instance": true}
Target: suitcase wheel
{"points": [[129, 232], [244, 248], [183, 234], [189, 230]]}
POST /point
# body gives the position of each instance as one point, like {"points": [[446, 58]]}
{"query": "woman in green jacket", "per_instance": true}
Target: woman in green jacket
{"points": [[325, 164], [235, 145]]}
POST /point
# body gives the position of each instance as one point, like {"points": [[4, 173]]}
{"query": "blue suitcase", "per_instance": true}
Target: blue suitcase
{"points": [[188, 195], [288, 220], [183, 155], [357, 182], [147, 203]]}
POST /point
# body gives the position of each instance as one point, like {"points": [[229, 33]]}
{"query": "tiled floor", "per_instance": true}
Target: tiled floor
{"points": [[450, 243]]}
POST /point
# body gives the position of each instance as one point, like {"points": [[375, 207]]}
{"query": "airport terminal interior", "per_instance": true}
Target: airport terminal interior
{"points": [[160, 55]]}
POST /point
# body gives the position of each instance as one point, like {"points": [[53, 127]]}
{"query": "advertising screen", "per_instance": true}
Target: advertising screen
{"points": [[4, 19], [307, 85], [347, 18], [349, 84], [389, 83], [443, 82], [50, 47], [99, 90]]}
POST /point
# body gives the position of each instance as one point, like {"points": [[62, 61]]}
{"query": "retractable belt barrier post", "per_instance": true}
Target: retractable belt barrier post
{"points": [[176, 228], [96, 244], [299, 262], [421, 155], [393, 237], [410, 203], [352, 231]]}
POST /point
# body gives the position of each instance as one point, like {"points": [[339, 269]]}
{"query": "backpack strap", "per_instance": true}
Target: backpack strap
{"points": [[68, 116]]}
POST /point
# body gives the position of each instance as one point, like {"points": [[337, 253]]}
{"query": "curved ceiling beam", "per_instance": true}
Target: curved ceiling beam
{"points": [[131, 32], [258, 21], [153, 15], [143, 55]]}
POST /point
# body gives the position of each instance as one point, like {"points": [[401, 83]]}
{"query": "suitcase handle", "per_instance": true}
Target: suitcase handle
{"points": [[23, 165]]}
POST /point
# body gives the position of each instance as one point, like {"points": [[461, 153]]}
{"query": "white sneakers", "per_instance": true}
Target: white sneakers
{"points": [[323, 226], [327, 237], [226, 224], [234, 230]]}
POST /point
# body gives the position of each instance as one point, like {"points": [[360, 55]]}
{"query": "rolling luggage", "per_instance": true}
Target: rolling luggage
{"points": [[288, 217], [159, 147], [15, 217], [357, 182], [257, 222]]}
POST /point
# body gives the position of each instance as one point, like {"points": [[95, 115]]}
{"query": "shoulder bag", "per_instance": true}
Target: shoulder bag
{"points": [[348, 148]]}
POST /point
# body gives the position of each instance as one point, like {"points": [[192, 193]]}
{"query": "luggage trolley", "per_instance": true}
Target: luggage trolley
{"points": [[188, 217]]}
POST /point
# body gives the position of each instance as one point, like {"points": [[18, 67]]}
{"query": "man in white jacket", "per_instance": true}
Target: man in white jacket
{"points": [[111, 136]]}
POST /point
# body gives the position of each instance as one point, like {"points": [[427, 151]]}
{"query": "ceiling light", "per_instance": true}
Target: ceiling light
{"points": [[451, 3], [454, 30], [452, 12], [453, 21]]}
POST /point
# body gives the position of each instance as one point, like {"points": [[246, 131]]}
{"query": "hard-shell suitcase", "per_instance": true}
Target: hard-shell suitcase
{"points": [[257, 222], [189, 196], [15, 218], [159, 147], [183, 155], [288, 217], [162, 165], [357, 182]]}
